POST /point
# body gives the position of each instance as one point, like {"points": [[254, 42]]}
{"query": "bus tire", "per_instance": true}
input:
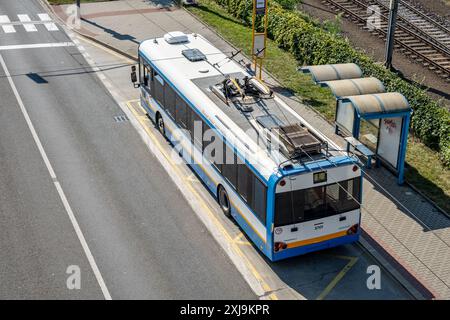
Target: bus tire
{"points": [[160, 124], [224, 201]]}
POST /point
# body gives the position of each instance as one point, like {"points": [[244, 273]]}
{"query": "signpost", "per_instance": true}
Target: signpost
{"points": [[393, 8], [259, 39], [78, 9]]}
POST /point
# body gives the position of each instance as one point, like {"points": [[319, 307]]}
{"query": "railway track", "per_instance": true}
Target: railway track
{"points": [[420, 36], [433, 26]]}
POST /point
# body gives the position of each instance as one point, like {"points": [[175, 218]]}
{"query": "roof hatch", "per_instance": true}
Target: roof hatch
{"points": [[193, 55]]}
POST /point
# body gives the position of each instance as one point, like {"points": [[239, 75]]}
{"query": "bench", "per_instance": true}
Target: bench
{"points": [[361, 148]]}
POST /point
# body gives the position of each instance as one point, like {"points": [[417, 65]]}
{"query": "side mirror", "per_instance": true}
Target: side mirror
{"points": [[134, 77]]}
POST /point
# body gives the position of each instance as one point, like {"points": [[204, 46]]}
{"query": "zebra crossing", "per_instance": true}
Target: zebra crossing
{"points": [[25, 21]]}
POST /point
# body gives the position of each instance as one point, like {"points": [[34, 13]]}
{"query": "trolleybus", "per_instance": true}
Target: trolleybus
{"points": [[287, 186]]}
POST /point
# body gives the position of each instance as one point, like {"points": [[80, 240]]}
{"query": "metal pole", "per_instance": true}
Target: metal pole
{"points": [[393, 9], [78, 9]]}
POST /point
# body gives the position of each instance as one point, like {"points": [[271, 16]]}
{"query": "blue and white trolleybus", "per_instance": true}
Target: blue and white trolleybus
{"points": [[288, 187]]}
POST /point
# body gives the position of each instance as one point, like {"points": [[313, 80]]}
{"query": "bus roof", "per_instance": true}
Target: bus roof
{"points": [[197, 70]]}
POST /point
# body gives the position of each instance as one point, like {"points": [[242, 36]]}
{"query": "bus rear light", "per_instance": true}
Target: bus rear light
{"points": [[282, 183], [353, 229], [355, 168], [280, 246]]}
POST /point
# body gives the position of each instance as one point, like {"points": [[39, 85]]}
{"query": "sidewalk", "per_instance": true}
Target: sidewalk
{"points": [[407, 231]]}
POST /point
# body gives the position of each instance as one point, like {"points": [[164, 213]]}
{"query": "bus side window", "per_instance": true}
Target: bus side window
{"points": [[146, 73], [181, 112], [229, 167], [141, 70], [157, 87], [196, 129], [245, 183], [170, 100], [219, 153], [259, 200], [213, 147]]}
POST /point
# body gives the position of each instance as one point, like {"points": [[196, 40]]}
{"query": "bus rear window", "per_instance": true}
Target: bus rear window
{"points": [[318, 202]]}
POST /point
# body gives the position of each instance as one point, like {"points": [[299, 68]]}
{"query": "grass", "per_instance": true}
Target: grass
{"points": [[425, 171]]}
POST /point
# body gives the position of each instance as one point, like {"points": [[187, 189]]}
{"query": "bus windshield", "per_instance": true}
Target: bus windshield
{"points": [[318, 202]]}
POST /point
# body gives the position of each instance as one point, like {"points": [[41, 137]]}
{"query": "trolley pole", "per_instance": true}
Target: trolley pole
{"points": [[393, 9]]}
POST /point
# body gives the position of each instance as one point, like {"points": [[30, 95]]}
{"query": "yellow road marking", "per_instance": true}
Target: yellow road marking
{"points": [[340, 275], [238, 240], [273, 296], [192, 178], [213, 218]]}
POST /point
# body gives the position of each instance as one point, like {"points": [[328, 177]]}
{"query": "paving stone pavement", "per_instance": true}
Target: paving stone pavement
{"points": [[402, 222]]}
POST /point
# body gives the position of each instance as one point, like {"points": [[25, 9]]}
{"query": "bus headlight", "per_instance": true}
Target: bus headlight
{"points": [[279, 246], [353, 229]]}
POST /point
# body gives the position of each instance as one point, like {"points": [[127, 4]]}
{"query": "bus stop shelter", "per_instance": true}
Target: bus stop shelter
{"points": [[381, 122], [374, 122], [328, 72], [354, 87]]}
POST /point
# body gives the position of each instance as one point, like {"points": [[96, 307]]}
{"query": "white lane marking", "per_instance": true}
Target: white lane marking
{"points": [[7, 28], [58, 187], [50, 26], [44, 17], [37, 45], [23, 17], [4, 19], [28, 27]]}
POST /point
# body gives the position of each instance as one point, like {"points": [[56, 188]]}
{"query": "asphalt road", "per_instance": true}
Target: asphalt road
{"points": [[144, 237]]}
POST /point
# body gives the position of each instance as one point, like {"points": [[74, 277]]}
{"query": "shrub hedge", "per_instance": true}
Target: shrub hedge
{"points": [[311, 44]]}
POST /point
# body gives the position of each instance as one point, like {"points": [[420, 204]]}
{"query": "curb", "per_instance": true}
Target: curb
{"points": [[434, 204], [365, 244]]}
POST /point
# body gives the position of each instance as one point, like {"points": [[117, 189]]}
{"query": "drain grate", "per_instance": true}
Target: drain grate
{"points": [[121, 118]]}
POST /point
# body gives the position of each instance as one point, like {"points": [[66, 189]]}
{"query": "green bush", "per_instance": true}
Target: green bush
{"points": [[311, 45], [288, 4]]}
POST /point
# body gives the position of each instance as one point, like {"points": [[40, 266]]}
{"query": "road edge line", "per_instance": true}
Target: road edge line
{"points": [[57, 185]]}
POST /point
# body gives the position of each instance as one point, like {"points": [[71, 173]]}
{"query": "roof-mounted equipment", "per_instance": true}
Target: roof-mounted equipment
{"points": [[176, 37], [242, 92], [193, 55], [298, 141]]}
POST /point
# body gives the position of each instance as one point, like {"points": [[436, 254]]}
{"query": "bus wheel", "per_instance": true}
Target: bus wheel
{"points": [[160, 125], [224, 201]]}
